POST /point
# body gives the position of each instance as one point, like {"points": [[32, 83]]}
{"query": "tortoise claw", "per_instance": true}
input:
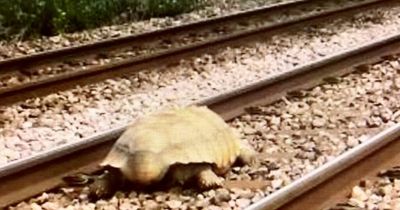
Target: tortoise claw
{"points": [[78, 179]]}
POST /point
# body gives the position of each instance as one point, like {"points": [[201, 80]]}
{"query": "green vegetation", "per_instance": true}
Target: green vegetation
{"points": [[49, 17]]}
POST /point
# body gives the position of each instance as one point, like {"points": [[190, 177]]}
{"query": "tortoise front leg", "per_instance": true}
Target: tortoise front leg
{"points": [[106, 184], [208, 179]]}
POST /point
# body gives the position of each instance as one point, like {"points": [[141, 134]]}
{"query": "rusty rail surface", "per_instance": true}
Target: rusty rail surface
{"points": [[28, 177], [171, 56]]}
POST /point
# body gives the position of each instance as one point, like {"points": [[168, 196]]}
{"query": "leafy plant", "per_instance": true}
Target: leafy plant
{"points": [[50, 17]]}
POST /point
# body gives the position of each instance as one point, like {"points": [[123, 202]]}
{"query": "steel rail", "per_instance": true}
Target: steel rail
{"points": [[381, 148], [30, 176], [169, 57]]}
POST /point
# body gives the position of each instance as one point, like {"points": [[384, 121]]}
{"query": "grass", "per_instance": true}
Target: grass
{"points": [[27, 18]]}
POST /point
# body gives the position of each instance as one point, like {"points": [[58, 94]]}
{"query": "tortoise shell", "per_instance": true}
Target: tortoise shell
{"points": [[191, 135]]}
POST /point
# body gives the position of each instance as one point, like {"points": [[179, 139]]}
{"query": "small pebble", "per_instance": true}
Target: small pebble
{"points": [[174, 204], [243, 202]]}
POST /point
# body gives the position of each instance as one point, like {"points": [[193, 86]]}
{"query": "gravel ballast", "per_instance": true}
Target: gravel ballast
{"points": [[17, 48], [381, 192], [295, 135], [42, 123]]}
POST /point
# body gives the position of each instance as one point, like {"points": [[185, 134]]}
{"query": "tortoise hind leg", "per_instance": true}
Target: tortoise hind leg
{"points": [[201, 174], [247, 154], [208, 179]]}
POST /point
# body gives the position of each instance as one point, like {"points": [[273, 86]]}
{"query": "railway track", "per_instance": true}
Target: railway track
{"points": [[44, 73], [28, 177], [123, 28], [41, 123]]}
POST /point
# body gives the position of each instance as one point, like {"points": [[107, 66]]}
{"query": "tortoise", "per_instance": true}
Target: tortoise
{"points": [[182, 144]]}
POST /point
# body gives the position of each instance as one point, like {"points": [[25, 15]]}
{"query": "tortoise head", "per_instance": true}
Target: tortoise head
{"points": [[102, 185], [144, 168]]}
